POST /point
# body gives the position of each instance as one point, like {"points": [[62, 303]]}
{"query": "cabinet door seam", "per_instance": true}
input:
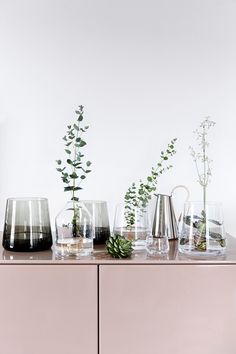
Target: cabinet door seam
{"points": [[98, 308]]}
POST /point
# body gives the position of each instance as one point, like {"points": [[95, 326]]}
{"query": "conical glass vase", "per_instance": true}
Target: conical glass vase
{"points": [[27, 225], [99, 213], [74, 231], [202, 229], [132, 225]]}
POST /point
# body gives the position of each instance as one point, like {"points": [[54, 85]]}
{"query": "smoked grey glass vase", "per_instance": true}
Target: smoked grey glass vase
{"points": [[27, 225], [99, 213]]}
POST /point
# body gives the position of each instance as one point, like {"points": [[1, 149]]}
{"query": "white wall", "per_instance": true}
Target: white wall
{"points": [[146, 71]]}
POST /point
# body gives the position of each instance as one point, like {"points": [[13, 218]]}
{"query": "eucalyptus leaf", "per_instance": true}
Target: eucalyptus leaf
{"points": [[75, 199], [68, 188], [77, 188], [82, 143], [76, 127], [74, 175]]}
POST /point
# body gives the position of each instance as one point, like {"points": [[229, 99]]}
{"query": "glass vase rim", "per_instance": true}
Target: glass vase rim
{"points": [[74, 201], [96, 201], [27, 199]]}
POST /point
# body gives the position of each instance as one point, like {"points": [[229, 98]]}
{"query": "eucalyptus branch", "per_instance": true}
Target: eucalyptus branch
{"points": [[139, 196], [75, 169]]}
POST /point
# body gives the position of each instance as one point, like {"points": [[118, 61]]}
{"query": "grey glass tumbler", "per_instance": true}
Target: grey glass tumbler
{"points": [[27, 225]]}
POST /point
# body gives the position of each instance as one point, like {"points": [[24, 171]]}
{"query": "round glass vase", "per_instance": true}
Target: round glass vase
{"points": [[134, 227], [74, 231], [202, 229]]}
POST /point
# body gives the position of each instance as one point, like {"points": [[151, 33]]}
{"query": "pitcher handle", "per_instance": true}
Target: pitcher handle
{"points": [[184, 187]]}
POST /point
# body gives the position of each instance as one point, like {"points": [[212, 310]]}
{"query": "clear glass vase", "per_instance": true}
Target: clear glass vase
{"points": [[157, 245], [74, 231], [137, 230], [202, 229], [99, 213]]}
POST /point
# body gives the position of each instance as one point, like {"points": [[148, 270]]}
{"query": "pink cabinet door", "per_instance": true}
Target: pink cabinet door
{"points": [[48, 309], [167, 309]]}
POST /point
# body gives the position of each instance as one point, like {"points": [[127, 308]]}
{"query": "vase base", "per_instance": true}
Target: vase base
{"points": [[74, 247], [202, 254]]}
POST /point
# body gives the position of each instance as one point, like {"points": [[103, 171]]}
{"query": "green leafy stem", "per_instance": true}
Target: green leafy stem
{"points": [[74, 170], [139, 196]]}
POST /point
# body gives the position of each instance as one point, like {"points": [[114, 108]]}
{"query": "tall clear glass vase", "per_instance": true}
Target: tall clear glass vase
{"points": [[74, 231], [202, 229]]}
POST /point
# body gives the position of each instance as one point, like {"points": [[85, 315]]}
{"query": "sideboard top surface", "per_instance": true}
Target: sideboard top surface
{"points": [[101, 257]]}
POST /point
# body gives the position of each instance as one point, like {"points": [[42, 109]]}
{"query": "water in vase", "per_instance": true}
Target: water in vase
{"points": [[138, 236]]}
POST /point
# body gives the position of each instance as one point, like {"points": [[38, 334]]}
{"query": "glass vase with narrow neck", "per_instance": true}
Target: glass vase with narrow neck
{"points": [[138, 230], [74, 231], [202, 229]]}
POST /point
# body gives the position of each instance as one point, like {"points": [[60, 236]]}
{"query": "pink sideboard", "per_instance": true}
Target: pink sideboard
{"points": [[171, 305]]}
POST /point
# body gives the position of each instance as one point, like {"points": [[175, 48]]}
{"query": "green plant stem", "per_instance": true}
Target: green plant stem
{"points": [[139, 196], [74, 222], [75, 170], [204, 174], [204, 171]]}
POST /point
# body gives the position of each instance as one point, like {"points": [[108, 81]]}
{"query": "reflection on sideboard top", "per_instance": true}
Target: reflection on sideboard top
{"points": [[101, 257]]}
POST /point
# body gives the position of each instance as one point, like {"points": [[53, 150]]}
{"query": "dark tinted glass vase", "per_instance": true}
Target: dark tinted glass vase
{"points": [[27, 225]]}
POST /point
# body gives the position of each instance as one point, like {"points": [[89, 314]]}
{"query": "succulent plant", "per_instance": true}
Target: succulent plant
{"points": [[118, 247]]}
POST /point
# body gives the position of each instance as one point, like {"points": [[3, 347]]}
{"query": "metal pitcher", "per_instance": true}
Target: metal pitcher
{"points": [[164, 222]]}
